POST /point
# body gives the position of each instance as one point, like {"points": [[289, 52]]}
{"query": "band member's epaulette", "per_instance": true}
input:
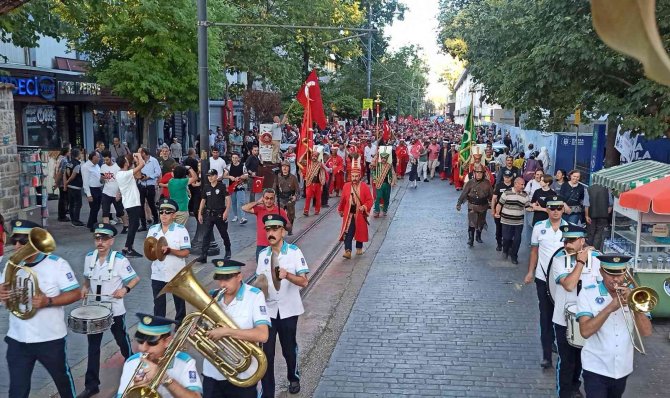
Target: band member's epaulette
{"points": [[184, 356], [134, 356], [292, 246], [254, 289], [119, 255], [53, 257], [90, 253]]}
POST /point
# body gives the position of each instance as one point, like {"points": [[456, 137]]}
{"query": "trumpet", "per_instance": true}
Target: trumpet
{"points": [[24, 289], [640, 299]]}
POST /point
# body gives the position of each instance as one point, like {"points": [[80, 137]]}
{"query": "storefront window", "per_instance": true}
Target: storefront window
{"points": [[108, 124], [40, 126]]}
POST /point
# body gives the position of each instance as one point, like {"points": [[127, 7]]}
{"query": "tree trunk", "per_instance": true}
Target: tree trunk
{"points": [[146, 122], [612, 156], [305, 61]]}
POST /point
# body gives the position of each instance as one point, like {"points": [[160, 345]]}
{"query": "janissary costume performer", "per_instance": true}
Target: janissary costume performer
{"points": [[354, 208], [455, 169], [315, 178], [384, 179], [353, 153], [402, 156], [476, 157], [336, 163]]}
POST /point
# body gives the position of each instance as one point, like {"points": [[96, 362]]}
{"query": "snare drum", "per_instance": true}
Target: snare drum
{"points": [[90, 319], [572, 333]]}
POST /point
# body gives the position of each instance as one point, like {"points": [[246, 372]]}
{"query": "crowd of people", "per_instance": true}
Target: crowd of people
{"points": [[357, 162]]}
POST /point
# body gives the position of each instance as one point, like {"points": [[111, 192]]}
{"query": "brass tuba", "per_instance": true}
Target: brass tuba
{"points": [[24, 289], [230, 356]]}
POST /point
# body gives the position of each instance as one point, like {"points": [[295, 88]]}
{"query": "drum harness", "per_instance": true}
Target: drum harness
{"points": [[110, 270], [548, 272]]}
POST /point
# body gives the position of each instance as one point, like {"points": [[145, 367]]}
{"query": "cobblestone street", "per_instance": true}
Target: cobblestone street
{"points": [[435, 318]]}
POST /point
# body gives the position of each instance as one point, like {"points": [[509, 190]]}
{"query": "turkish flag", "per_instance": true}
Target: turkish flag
{"points": [[311, 88], [231, 187], [258, 185]]}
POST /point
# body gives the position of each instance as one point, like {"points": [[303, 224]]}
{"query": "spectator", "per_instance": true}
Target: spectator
{"points": [[252, 163], [266, 205], [118, 149], [110, 191], [163, 183], [59, 180], [236, 173], [165, 162], [175, 150], [3, 237], [574, 193], [130, 197], [597, 210], [559, 179], [178, 191], [151, 172], [520, 162], [74, 184], [217, 163], [511, 209], [543, 158], [191, 162]]}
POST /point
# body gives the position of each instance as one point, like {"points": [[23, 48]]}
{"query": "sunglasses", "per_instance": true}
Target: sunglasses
{"points": [[166, 212], [555, 208], [22, 239], [149, 342], [272, 227]]}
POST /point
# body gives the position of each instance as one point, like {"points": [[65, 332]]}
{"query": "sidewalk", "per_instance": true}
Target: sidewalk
{"points": [[435, 318]]}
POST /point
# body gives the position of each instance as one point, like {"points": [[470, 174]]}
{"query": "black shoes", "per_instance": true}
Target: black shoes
{"points": [[545, 364], [142, 228], [131, 253], [294, 387], [478, 236], [425, 180], [77, 223], [471, 236], [499, 248], [505, 255], [125, 230], [201, 260], [515, 261], [227, 255], [88, 393]]}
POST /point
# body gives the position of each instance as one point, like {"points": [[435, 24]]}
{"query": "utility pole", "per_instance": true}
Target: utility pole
{"points": [[369, 63], [203, 85]]}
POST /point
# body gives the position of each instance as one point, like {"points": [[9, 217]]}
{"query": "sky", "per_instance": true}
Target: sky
{"points": [[420, 27]]}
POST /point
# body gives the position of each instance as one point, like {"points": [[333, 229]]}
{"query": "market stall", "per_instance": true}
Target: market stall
{"points": [[640, 223]]}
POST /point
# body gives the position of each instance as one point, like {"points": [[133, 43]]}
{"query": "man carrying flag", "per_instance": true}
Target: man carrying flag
{"points": [[310, 98], [466, 143]]}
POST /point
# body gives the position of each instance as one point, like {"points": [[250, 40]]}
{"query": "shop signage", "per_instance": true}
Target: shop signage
{"points": [[35, 86], [78, 88]]}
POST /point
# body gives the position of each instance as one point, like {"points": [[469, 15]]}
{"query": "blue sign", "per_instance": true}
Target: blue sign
{"points": [[36, 86], [566, 144]]}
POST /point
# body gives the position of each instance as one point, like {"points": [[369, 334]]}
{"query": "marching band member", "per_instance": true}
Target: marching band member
{"points": [[384, 178], [607, 356], [284, 304], [178, 248], [574, 266], [40, 338], [153, 336], [245, 305], [354, 208], [545, 241], [106, 273]]}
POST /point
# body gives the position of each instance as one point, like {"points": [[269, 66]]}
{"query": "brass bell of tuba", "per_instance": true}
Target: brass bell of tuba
{"points": [[640, 299], [230, 356], [23, 289]]}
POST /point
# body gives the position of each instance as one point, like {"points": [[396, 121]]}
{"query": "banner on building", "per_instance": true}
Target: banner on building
{"points": [[637, 147]]}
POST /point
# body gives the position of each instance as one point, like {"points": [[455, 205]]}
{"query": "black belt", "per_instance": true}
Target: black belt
{"points": [[214, 211], [478, 202], [286, 195]]}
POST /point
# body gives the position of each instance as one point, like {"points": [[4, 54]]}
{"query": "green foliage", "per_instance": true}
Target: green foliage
{"points": [[24, 25], [544, 58], [144, 50]]}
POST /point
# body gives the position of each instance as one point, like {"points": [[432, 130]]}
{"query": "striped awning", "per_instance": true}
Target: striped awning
{"points": [[631, 175]]}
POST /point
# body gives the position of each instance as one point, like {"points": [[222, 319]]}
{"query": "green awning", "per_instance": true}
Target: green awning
{"points": [[630, 175]]}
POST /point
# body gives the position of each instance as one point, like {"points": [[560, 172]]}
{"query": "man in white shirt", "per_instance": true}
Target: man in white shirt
{"points": [[40, 338], [126, 178], [368, 153], [607, 356], [284, 265], [109, 276], [175, 150], [90, 173], [574, 267], [177, 249], [276, 137], [545, 242], [217, 163], [151, 173], [153, 336], [245, 305], [111, 196]]}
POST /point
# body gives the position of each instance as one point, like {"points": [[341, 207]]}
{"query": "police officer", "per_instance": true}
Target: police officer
{"points": [[178, 248], [109, 277], [544, 242], [498, 190], [153, 336], [245, 305], [607, 356], [213, 211], [478, 192], [40, 338], [284, 304], [573, 267], [287, 188]]}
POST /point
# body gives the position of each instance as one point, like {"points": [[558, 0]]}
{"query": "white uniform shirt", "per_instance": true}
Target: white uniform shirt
{"points": [[130, 194], [247, 310], [560, 268], [90, 174], [110, 276], [54, 278], [182, 371], [608, 352], [217, 164], [111, 187], [286, 301], [547, 242], [369, 153], [178, 239]]}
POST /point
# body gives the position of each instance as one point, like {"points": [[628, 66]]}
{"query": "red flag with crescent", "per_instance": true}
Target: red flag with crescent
{"points": [[310, 92], [232, 186], [258, 185], [387, 131]]}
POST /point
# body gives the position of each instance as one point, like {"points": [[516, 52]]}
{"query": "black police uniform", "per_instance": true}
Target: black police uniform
{"points": [[215, 205]]}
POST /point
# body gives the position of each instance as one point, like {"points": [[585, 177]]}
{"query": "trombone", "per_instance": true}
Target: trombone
{"points": [[640, 299]]}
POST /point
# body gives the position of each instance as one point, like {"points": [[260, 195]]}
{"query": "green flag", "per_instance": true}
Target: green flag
{"points": [[469, 139]]}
